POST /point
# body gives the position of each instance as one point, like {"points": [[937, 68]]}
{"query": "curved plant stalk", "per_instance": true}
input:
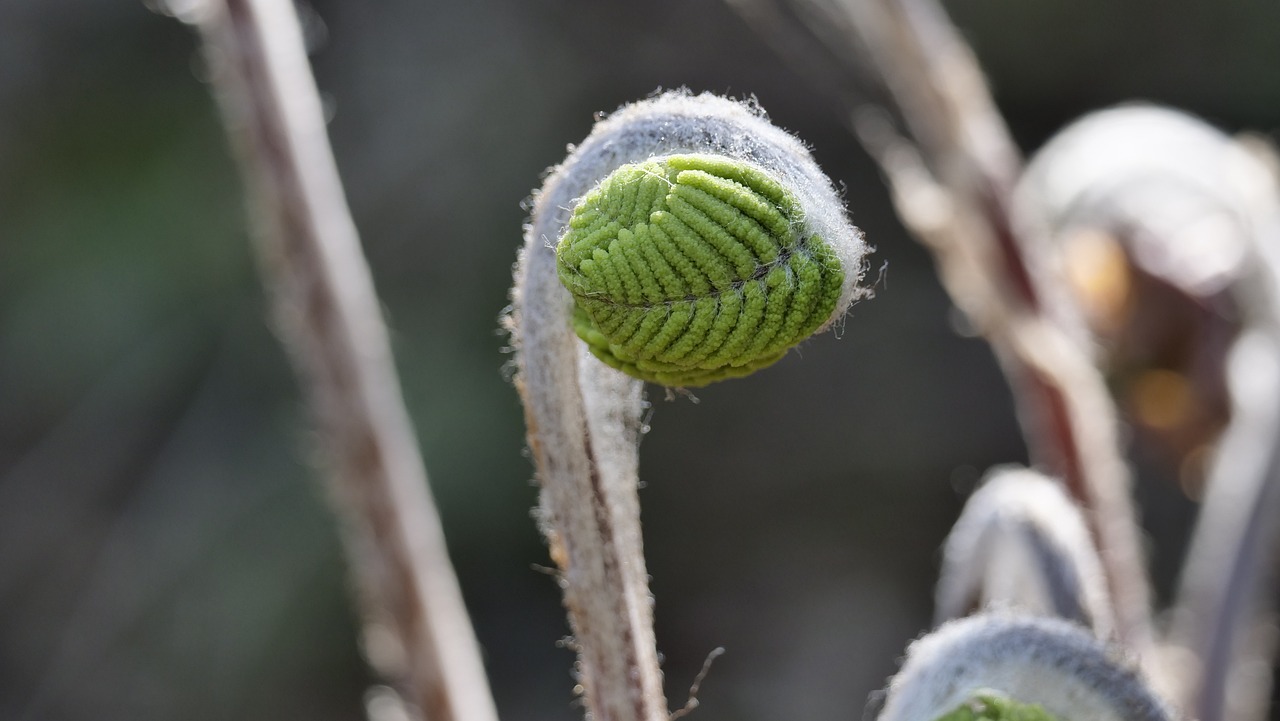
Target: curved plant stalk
{"points": [[1191, 209], [583, 417], [1044, 662], [416, 632], [951, 187], [1020, 543], [1225, 608]]}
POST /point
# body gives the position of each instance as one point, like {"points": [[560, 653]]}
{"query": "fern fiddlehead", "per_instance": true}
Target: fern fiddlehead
{"points": [[671, 214], [688, 269]]}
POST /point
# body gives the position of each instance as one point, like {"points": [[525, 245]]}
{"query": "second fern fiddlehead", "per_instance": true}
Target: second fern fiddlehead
{"points": [[1038, 668]]}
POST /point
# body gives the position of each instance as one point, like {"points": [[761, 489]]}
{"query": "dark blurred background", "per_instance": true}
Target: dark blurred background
{"points": [[165, 551]]}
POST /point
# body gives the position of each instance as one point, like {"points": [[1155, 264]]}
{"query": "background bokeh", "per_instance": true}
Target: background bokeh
{"points": [[165, 551]]}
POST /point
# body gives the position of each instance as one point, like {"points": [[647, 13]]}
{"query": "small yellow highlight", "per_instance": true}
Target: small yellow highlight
{"points": [[559, 555], [1098, 272], [1162, 399]]}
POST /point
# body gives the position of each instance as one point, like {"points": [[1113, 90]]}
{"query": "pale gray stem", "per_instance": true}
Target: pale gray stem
{"points": [[584, 420], [416, 628], [1225, 611], [1234, 540]]}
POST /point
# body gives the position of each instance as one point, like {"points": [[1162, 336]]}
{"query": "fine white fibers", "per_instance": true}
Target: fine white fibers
{"points": [[679, 122]]}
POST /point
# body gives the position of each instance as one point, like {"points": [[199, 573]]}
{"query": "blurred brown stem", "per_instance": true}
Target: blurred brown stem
{"points": [[416, 628], [951, 184], [969, 158]]}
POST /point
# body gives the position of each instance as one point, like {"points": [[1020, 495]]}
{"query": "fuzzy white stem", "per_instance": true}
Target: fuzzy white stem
{"points": [[583, 421]]}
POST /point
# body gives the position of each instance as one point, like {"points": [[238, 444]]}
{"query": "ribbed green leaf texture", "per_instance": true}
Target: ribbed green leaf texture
{"points": [[689, 269], [990, 707]]}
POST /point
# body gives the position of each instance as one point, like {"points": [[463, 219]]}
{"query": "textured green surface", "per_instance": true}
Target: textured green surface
{"points": [[690, 269], [989, 707]]}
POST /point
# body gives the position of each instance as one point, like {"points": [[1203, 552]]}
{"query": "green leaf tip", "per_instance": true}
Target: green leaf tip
{"points": [[993, 707], [693, 268]]}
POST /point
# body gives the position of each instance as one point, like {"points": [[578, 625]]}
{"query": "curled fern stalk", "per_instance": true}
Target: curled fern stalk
{"points": [[692, 268], [686, 239]]}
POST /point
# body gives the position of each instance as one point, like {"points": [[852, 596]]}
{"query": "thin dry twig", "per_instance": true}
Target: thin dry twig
{"points": [[951, 185], [417, 632], [692, 702]]}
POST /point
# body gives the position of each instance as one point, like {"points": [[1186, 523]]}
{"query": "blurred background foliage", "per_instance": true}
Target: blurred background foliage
{"points": [[165, 551]]}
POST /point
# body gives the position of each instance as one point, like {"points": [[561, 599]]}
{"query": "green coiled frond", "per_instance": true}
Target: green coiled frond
{"points": [[689, 269], [992, 707]]}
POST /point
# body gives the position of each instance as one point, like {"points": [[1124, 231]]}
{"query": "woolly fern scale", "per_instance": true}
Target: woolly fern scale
{"points": [[689, 269]]}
